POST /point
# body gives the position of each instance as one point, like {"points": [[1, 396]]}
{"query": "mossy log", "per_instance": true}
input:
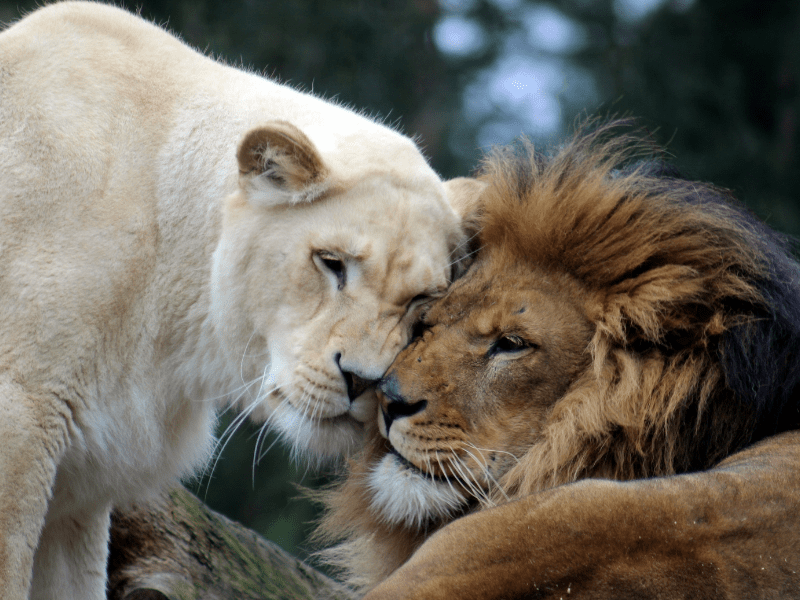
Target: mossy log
{"points": [[176, 548]]}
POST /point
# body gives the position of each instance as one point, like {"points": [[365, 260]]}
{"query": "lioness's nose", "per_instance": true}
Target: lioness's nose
{"points": [[394, 405], [356, 385]]}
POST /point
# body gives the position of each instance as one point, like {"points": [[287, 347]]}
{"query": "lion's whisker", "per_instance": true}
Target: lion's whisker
{"points": [[482, 494], [487, 471], [492, 451], [447, 478], [465, 477], [463, 244]]}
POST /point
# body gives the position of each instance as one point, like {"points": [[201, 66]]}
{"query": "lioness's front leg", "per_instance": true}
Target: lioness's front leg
{"points": [[72, 555], [33, 437], [730, 533]]}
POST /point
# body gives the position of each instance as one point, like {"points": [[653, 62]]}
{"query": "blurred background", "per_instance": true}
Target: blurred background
{"points": [[714, 81]]}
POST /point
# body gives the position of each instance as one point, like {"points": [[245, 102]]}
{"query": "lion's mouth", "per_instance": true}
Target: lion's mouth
{"points": [[415, 469]]}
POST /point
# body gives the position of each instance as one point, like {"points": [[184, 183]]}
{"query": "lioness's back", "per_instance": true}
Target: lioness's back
{"points": [[78, 77], [73, 61]]}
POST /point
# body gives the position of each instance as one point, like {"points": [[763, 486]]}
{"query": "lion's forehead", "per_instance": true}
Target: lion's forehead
{"points": [[488, 302]]}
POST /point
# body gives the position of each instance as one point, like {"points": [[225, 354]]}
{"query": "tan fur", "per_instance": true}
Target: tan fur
{"points": [[730, 533], [586, 341], [178, 235]]}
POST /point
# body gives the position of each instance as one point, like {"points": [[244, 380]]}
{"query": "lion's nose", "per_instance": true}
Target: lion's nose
{"points": [[396, 405]]}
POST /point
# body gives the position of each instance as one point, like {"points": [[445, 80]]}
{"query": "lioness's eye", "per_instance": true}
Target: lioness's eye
{"points": [[418, 329], [335, 265], [508, 343]]}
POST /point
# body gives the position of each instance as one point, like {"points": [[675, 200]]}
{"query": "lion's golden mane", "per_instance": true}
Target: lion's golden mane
{"points": [[695, 309]]}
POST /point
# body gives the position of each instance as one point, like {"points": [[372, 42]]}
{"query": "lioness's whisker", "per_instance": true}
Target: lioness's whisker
{"points": [[223, 440], [263, 453], [244, 355], [233, 395], [466, 256], [237, 422], [463, 244]]}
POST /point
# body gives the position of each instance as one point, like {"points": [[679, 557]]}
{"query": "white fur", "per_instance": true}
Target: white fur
{"points": [[144, 281], [404, 496]]}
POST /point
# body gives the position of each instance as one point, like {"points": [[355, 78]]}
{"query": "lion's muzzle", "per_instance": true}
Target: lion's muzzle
{"points": [[394, 405]]}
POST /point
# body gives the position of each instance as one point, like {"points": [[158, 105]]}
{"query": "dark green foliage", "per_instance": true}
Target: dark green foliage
{"points": [[720, 83], [267, 496]]}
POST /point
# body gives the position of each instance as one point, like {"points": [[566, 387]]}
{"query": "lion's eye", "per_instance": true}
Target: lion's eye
{"points": [[508, 344], [334, 265]]}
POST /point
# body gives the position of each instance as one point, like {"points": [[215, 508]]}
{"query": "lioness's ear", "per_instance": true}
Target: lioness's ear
{"points": [[279, 164], [464, 194]]}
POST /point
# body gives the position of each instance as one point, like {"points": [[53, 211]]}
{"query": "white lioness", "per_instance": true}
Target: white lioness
{"points": [[175, 233]]}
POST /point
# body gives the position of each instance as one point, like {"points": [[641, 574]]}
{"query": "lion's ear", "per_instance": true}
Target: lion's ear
{"points": [[278, 164], [464, 194]]}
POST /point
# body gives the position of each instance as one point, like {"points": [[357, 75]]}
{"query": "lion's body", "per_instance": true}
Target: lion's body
{"points": [[146, 275], [617, 324], [729, 533]]}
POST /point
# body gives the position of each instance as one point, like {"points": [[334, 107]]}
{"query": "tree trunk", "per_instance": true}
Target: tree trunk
{"points": [[176, 548]]}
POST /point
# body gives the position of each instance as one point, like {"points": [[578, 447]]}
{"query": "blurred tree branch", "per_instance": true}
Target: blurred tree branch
{"points": [[175, 548]]}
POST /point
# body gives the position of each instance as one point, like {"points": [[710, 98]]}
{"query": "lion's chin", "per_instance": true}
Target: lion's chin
{"points": [[402, 495]]}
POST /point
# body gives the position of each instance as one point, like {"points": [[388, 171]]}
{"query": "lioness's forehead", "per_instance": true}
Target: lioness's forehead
{"points": [[408, 199], [399, 215], [403, 235]]}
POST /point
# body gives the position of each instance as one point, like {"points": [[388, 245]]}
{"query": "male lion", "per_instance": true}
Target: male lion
{"points": [[175, 233], [618, 323]]}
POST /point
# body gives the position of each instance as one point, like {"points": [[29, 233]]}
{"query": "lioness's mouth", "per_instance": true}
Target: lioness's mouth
{"points": [[342, 419], [356, 385]]}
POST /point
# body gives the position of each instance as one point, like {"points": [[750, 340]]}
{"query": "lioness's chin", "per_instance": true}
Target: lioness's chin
{"points": [[402, 495], [318, 440]]}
